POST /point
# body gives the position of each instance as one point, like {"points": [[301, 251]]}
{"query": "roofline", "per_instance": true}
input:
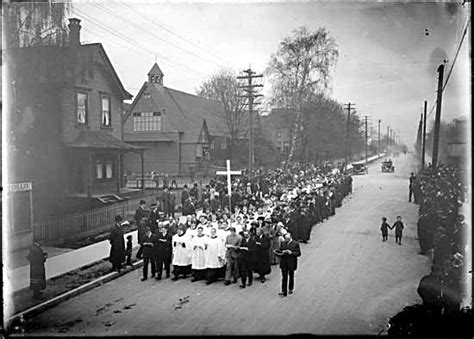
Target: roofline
{"points": [[134, 102]]}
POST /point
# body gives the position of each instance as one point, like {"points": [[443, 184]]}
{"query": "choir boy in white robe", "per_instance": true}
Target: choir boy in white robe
{"points": [[214, 254], [181, 254], [198, 259]]}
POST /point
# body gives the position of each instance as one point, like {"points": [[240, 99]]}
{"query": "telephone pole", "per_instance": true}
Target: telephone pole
{"points": [[349, 106], [388, 135], [378, 148], [424, 137], [439, 98], [250, 95], [366, 134]]}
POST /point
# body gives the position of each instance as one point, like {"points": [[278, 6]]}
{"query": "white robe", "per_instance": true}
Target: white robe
{"points": [[198, 259], [215, 250], [222, 234], [181, 256], [191, 233]]}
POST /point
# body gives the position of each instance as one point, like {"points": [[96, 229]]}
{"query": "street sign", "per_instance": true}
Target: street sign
{"points": [[19, 187]]}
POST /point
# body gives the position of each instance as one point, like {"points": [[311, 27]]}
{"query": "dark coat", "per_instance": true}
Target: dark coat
{"points": [[117, 245], [140, 213], [163, 245], [290, 261], [184, 196], [398, 225], [188, 207], [263, 254], [250, 255], [37, 258], [148, 244], [384, 228]]}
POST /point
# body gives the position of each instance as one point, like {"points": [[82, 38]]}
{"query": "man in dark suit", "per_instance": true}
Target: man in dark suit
{"points": [[141, 212], [289, 252], [162, 252], [148, 244]]}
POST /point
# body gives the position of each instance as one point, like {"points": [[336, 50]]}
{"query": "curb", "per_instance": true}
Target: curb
{"points": [[70, 294]]}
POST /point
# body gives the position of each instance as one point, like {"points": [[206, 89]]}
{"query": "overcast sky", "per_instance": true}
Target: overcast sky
{"points": [[387, 64]]}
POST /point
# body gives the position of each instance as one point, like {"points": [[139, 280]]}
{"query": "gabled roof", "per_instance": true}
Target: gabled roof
{"points": [[100, 49], [185, 112], [100, 140], [155, 70]]}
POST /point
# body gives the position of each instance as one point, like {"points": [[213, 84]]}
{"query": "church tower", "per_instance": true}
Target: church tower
{"points": [[155, 77]]}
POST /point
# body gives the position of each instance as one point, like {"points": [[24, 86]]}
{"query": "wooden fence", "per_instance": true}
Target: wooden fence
{"points": [[58, 229]]}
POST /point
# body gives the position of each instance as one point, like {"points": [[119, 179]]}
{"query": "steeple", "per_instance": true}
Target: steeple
{"points": [[155, 76]]}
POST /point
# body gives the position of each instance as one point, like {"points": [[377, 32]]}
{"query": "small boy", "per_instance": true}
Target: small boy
{"points": [[384, 228], [398, 225], [128, 250]]}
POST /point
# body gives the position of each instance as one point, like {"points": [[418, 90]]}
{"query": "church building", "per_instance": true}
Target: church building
{"points": [[177, 129]]}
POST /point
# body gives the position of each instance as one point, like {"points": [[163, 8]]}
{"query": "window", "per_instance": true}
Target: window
{"points": [[104, 168], [147, 95], [199, 150], [146, 121], [212, 144], [98, 170], [81, 108], [106, 113], [224, 143]]}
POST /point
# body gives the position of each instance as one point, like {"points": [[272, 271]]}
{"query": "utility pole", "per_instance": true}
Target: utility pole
{"points": [[250, 95], [388, 134], [378, 147], [349, 105], [424, 137], [366, 134], [438, 115]]}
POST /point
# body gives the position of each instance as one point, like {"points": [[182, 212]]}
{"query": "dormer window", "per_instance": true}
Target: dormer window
{"points": [[147, 95]]}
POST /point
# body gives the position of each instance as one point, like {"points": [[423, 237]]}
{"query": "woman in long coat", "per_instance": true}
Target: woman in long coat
{"points": [[37, 258], [117, 245]]}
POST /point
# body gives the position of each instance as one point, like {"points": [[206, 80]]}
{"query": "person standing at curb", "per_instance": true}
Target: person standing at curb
{"points": [[410, 188], [398, 225], [289, 252], [117, 242], [37, 258], [148, 253], [384, 228]]}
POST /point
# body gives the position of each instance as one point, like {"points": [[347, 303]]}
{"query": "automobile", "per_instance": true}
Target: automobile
{"points": [[359, 168], [387, 166]]}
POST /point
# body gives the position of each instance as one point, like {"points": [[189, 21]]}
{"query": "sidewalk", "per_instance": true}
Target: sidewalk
{"points": [[19, 278]]}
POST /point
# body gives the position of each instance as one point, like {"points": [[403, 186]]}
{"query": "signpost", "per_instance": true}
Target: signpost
{"points": [[229, 174]]}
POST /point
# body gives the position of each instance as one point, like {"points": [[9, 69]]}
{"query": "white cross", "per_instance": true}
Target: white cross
{"points": [[229, 173]]}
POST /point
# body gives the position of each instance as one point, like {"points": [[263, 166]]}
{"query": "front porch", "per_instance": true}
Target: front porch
{"points": [[95, 165]]}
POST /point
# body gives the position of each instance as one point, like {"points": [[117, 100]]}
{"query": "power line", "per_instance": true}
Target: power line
{"points": [[150, 32], [161, 26], [133, 43]]}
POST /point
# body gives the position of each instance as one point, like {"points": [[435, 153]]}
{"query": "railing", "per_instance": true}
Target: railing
{"points": [[55, 230]]}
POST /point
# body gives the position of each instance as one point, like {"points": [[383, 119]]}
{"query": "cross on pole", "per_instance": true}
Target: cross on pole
{"points": [[229, 173]]}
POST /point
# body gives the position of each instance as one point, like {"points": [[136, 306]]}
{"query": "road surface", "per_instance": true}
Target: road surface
{"points": [[348, 282]]}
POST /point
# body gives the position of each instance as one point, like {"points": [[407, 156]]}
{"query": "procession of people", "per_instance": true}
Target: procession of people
{"points": [[238, 239]]}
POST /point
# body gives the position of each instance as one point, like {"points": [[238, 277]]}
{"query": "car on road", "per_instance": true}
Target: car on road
{"points": [[359, 168], [387, 166]]}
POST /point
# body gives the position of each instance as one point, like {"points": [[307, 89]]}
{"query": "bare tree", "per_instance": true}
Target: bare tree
{"points": [[224, 88], [28, 24], [299, 69]]}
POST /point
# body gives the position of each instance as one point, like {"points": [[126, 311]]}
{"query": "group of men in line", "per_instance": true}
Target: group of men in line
{"points": [[267, 210]]}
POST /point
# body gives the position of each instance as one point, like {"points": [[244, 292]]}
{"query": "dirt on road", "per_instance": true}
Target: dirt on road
{"points": [[348, 281]]}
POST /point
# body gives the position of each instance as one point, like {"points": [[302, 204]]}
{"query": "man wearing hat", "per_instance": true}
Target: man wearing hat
{"points": [[148, 244], [117, 245], [141, 212], [154, 218], [37, 258]]}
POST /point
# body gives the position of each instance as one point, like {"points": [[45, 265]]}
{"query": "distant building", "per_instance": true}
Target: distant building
{"points": [[457, 141], [276, 129], [178, 130], [64, 117]]}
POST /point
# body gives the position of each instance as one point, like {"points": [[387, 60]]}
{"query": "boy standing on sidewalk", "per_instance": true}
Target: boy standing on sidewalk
{"points": [[128, 251], [384, 228], [398, 225]]}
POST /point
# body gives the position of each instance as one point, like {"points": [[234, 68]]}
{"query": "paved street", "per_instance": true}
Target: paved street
{"points": [[348, 282]]}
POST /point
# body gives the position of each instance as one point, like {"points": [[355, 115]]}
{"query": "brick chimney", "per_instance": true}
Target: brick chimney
{"points": [[74, 32]]}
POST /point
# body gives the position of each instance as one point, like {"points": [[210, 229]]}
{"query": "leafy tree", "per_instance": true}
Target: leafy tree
{"points": [[224, 87], [300, 69]]}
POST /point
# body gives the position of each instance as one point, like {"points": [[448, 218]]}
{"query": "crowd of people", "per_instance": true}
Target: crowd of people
{"points": [[267, 214], [441, 192]]}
